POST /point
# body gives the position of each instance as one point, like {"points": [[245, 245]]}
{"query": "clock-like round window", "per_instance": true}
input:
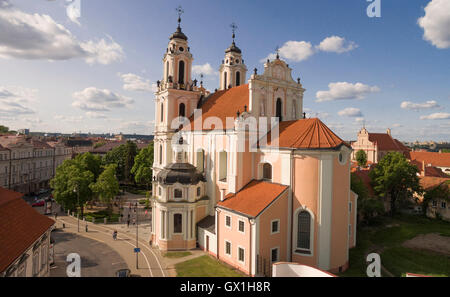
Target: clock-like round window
{"points": [[181, 49], [237, 61]]}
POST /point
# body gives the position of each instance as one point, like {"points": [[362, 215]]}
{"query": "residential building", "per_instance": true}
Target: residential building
{"points": [[427, 160], [24, 238], [439, 207], [219, 184]]}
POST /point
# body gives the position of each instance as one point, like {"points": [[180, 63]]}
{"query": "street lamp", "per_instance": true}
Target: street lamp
{"points": [[76, 190]]}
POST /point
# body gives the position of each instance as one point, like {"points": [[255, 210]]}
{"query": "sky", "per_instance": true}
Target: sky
{"points": [[91, 65]]}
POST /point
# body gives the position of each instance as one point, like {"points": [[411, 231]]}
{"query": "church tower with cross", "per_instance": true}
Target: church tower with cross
{"points": [[233, 70]]}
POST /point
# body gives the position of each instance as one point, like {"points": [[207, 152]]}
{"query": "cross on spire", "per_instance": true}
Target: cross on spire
{"points": [[180, 11], [233, 29], [277, 49]]}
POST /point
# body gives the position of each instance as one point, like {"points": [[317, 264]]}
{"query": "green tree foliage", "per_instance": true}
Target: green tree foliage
{"points": [[71, 185], [122, 156], [142, 168], [4, 129], [107, 186], [361, 158], [396, 179], [368, 207], [90, 162], [439, 192]]}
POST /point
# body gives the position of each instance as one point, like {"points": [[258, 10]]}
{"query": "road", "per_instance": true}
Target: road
{"points": [[149, 263], [97, 258]]}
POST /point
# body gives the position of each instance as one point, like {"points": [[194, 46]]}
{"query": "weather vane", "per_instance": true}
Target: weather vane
{"points": [[233, 29], [180, 11]]}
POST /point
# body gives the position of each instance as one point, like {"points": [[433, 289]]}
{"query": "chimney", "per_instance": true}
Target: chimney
{"points": [[388, 131]]}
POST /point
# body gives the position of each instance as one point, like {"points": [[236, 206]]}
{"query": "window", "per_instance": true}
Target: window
{"points": [[21, 271], [241, 254], [443, 204], [159, 191], [162, 112], [177, 193], [223, 166], [160, 154], [304, 230], [267, 171], [225, 80], [279, 109], [181, 72], [275, 227], [198, 191], [182, 110], [167, 70], [349, 207], [274, 255], [294, 109], [241, 226], [228, 221], [238, 78], [177, 223], [434, 203], [44, 257], [35, 263], [228, 248]]}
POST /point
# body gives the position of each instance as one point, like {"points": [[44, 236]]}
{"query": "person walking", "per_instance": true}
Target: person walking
{"points": [[128, 223], [56, 215], [115, 235]]}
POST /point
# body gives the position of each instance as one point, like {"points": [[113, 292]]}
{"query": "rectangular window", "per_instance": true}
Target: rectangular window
{"points": [[349, 207], [275, 227], [274, 255], [177, 223], [241, 254], [241, 226], [228, 221], [443, 204], [35, 263], [228, 248]]}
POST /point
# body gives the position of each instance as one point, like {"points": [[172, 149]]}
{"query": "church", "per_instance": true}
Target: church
{"points": [[242, 173]]}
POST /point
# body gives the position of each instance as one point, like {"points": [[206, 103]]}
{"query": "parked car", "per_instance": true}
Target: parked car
{"points": [[123, 273], [39, 202]]}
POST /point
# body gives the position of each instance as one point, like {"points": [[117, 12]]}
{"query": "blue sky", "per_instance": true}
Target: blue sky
{"points": [[94, 73]]}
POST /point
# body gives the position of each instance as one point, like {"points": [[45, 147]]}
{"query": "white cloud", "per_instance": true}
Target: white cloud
{"points": [[15, 100], [36, 36], [69, 119], [345, 90], [95, 115], [419, 106], [204, 69], [436, 23], [93, 99], [336, 44], [436, 116], [295, 51], [350, 112], [73, 11], [133, 82]]}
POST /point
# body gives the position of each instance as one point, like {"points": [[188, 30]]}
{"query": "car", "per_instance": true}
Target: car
{"points": [[42, 191], [123, 273], [39, 202]]}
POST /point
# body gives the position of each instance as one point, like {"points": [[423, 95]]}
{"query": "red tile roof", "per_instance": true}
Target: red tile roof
{"points": [[435, 159], [364, 175], [428, 182], [306, 134], [223, 104], [20, 226], [386, 143], [253, 198]]}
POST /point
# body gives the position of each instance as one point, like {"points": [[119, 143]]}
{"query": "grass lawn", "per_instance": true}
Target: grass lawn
{"points": [[205, 266], [177, 254], [394, 257], [100, 215]]}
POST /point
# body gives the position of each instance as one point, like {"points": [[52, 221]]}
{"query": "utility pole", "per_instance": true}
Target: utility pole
{"points": [[137, 236]]}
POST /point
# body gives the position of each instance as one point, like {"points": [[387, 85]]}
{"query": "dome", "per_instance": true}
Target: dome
{"points": [[233, 48], [183, 173], [178, 34]]}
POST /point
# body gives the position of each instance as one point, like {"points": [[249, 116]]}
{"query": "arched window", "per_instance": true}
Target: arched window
{"points": [[279, 109], [223, 166], [304, 230], [181, 72], [267, 171], [160, 154], [162, 112], [225, 80], [177, 193], [177, 223], [238, 78], [182, 110]]}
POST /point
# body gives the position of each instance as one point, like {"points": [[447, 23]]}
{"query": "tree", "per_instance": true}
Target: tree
{"points": [[4, 129], [396, 179], [71, 185], [142, 168], [122, 156], [90, 162], [361, 158], [107, 186], [368, 207], [131, 150]]}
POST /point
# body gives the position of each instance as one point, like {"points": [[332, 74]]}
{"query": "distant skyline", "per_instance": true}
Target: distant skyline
{"points": [[94, 70]]}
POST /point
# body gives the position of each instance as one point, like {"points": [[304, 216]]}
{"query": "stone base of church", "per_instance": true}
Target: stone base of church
{"points": [[174, 245]]}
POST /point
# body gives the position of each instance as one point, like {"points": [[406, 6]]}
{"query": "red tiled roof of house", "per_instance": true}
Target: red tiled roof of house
{"points": [[364, 175], [306, 134], [435, 159], [385, 142], [20, 226], [428, 182], [222, 104], [252, 199]]}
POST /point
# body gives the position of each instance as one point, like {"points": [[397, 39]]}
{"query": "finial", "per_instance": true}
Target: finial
{"points": [[255, 71], [298, 80], [278, 52], [304, 115], [180, 11], [233, 29], [245, 108], [201, 79], [238, 113]]}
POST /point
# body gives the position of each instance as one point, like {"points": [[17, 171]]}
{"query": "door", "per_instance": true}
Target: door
{"points": [[207, 243]]}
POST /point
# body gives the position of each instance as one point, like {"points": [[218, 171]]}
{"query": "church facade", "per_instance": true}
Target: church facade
{"points": [[242, 174]]}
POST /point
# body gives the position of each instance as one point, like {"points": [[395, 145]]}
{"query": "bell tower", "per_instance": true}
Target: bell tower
{"points": [[233, 70]]}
